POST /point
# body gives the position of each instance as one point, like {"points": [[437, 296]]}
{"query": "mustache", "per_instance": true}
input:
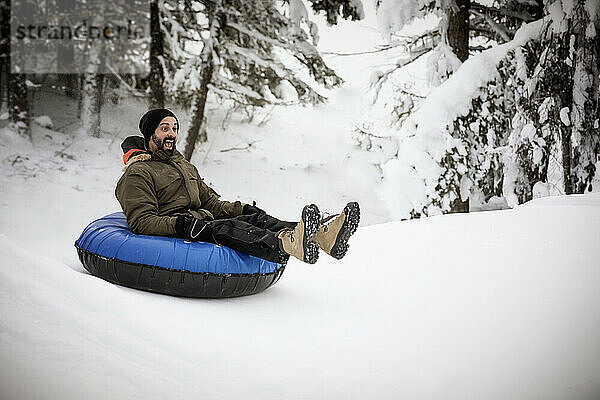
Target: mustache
{"points": [[159, 142]]}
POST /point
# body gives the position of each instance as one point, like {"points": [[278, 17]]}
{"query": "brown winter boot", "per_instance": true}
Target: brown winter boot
{"points": [[333, 236], [300, 242]]}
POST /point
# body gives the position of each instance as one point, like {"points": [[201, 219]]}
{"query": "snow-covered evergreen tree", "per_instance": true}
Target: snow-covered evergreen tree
{"points": [[508, 126], [483, 132], [498, 20], [173, 24], [450, 148], [394, 15], [334, 9], [247, 48], [246, 59], [460, 21], [558, 108], [585, 110], [4, 49], [15, 78]]}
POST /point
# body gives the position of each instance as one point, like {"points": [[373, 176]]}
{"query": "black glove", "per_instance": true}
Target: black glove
{"points": [[252, 209], [190, 228]]}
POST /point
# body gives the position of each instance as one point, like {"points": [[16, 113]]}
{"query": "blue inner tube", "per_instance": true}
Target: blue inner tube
{"points": [[109, 250]]}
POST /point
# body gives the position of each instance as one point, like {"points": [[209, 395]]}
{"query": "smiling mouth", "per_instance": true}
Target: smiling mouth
{"points": [[168, 144]]}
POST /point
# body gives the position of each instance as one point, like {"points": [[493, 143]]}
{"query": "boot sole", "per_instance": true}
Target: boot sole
{"points": [[311, 218], [352, 212]]}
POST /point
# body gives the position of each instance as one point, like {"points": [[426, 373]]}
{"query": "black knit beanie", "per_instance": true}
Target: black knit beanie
{"points": [[150, 121]]}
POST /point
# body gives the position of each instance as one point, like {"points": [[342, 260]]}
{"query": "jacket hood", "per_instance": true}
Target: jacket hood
{"points": [[133, 150]]}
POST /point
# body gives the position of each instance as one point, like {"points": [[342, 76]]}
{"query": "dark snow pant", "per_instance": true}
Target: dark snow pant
{"points": [[254, 234]]}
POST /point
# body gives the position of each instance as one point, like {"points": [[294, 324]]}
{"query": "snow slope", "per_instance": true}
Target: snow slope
{"points": [[488, 305]]}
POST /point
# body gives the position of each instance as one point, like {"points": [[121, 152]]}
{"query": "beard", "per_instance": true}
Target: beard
{"points": [[167, 144]]}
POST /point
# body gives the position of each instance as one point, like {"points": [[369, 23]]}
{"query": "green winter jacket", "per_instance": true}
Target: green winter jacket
{"points": [[155, 189]]}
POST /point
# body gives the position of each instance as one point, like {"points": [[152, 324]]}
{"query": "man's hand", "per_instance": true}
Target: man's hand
{"points": [[190, 228], [207, 215], [252, 209]]}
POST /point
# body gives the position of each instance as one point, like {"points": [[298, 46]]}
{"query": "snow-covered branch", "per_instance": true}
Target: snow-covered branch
{"points": [[499, 29], [497, 13], [380, 78]]}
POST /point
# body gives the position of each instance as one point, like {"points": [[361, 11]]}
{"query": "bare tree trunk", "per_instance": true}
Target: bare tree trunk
{"points": [[566, 97], [459, 206], [18, 104], [69, 80], [66, 58], [197, 112], [16, 87], [458, 39], [92, 95], [81, 79], [199, 103], [585, 135], [157, 93], [458, 29], [90, 121], [537, 10], [565, 147], [4, 48]]}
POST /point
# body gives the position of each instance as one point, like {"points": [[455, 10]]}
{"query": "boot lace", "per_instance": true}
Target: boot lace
{"points": [[325, 218], [289, 233]]}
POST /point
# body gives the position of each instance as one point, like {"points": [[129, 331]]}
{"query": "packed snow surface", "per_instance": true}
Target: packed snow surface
{"points": [[498, 304]]}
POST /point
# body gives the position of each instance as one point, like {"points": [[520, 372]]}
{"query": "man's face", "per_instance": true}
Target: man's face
{"points": [[165, 135]]}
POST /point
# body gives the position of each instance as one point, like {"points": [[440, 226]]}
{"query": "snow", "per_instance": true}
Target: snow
{"points": [[558, 17], [593, 8], [357, 5], [44, 121], [590, 31], [286, 91], [529, 131], [538, 154], [394, 15], [564, 116], [545, 108], [568, 7], [441, 63], [298, 11], [541, 189]]}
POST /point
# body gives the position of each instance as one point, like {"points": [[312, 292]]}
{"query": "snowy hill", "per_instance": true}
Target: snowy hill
{"points": [[488, 305]]}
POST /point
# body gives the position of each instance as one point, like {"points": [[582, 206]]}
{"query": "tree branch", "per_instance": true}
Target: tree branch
{"points": [[501, 12], [401, 63], [499, 29]]}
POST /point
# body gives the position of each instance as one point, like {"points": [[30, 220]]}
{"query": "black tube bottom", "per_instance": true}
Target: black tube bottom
{"points": [[176, 282]]}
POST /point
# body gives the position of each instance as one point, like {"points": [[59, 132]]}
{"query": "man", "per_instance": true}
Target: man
{"points": [[162, 194]]}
